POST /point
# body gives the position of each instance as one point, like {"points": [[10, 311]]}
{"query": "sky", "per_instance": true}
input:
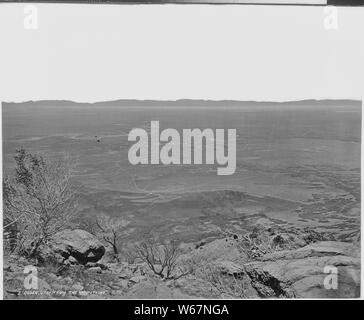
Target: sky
{"points": [[265, 53]]}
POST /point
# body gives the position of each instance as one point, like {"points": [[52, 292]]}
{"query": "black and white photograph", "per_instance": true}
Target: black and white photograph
{"points": [[181, 152]]}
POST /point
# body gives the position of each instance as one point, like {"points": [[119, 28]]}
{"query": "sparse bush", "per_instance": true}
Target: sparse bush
{"points": [[256, 245], [38, 200], [129, 255], [194, 262], [227, 285], [314, 236], [110, 230], [162, 259], [261, 240], [52, 266]]}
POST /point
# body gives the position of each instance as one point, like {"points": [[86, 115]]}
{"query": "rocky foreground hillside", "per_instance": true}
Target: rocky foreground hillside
{"points": [[266, 263]]}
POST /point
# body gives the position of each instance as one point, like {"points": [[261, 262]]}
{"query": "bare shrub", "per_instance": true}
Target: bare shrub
{"points": [[262, 240], [162, 259], [256, 245], [52, 266], [225, 284], [38, 200], [129, 255], [110, 229]]}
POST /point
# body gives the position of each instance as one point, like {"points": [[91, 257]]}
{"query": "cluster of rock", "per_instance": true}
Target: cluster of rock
{"points": [[298, 265], [327, 269]]}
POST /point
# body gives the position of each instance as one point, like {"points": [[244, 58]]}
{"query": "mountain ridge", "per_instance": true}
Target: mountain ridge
{"points": [[187, 103]]}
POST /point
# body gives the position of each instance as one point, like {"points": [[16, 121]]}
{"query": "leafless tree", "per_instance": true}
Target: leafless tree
{"points": [[162, 259], [39, 199], [110, 230]]}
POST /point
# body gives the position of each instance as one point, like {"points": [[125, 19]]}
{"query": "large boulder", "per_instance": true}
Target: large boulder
{"points": [[73, 245], [302, 272]]}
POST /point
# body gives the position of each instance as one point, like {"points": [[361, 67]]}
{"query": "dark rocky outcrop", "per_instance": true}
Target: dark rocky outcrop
{"points": [[71, 246], [301, 273]]}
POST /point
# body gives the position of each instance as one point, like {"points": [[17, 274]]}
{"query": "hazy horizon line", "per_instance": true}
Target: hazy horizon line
{"points": [[182, 102]]}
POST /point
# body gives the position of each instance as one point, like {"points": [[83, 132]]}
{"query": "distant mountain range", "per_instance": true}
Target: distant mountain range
{"points": [[187, 103]]}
